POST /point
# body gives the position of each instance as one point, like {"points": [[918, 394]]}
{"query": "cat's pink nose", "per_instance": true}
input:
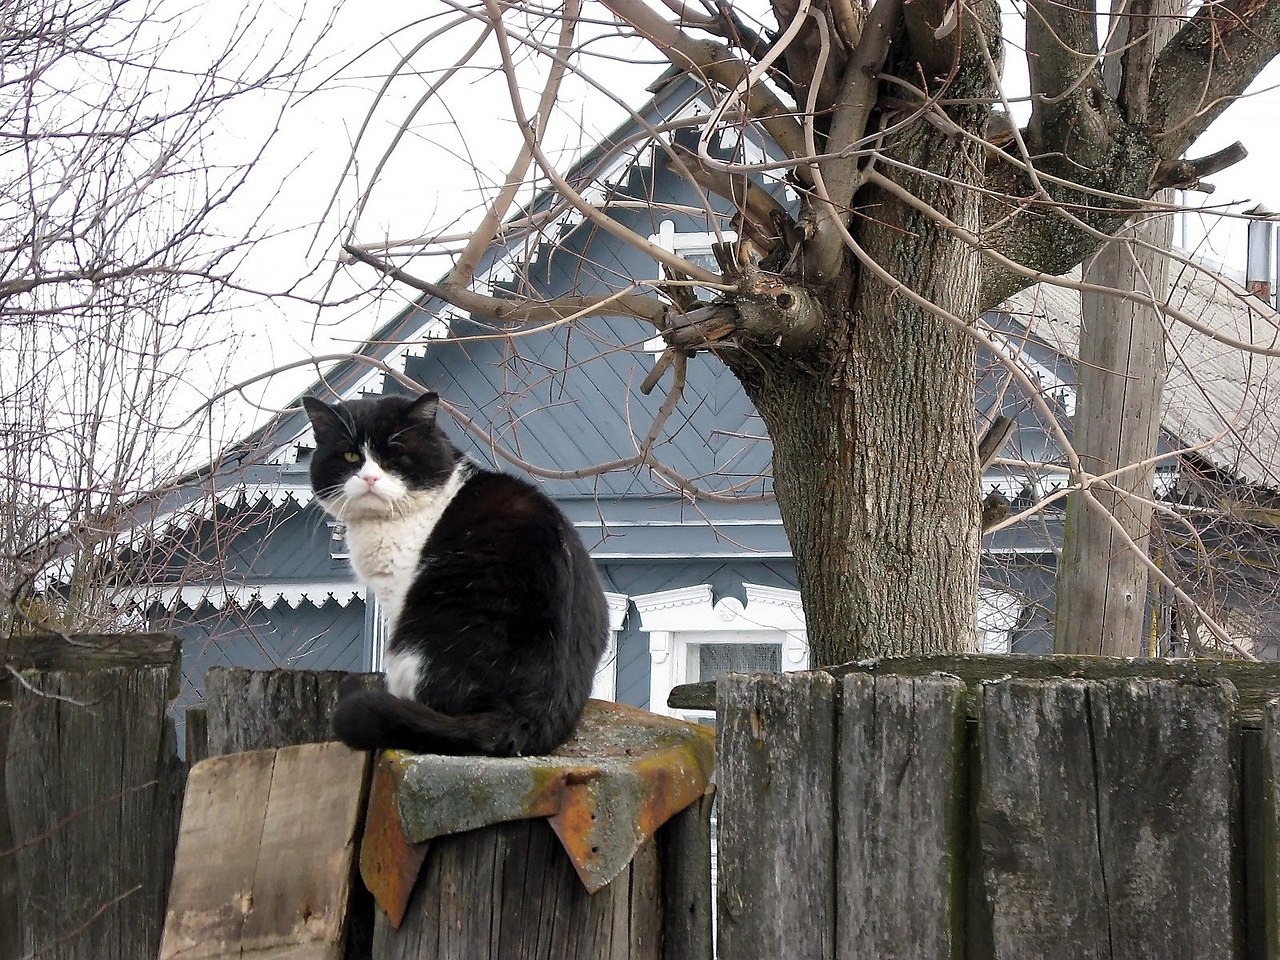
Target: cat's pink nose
{"points": [[371, 481]]}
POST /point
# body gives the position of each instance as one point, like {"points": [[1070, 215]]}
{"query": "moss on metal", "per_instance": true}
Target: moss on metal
{"points": [[623, 775]]}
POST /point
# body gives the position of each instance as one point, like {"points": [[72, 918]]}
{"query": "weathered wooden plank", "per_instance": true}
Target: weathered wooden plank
{"points": [[1037, 823], [684, 845], [93, 787], [10, 918], [197, 735], [1168, 802], [1105, 819], [266, 709], [1264, 834], [222, 822], [91, 652], [56, 651], [266, 854], [1255, 683], [776, 816], [644, 901], [900, 781], [510, 891], [306, 856], [1256, 840]]}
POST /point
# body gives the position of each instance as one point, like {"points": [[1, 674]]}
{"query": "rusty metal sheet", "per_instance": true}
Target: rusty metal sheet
{"points": [[624, 774]]}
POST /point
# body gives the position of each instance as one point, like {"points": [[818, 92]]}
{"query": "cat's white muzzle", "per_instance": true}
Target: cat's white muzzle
{"points": [[372, 492]]}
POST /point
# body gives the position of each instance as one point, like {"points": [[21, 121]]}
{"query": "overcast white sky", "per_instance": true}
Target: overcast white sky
{"points": [[432, 180]]}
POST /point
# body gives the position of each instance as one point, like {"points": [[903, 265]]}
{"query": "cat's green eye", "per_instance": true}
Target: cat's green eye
{"points": [[351, 456]]}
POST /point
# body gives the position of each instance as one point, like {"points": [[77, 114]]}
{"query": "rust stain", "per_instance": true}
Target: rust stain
{"points": [[624, 774], [389, 860]]}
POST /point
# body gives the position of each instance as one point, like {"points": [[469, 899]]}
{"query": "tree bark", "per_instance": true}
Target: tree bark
{"points": [[874, 463]]}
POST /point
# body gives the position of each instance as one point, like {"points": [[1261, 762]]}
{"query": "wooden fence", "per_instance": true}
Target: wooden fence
{"points": [[90, 791], [91, 784], [969, 807], [877, 814]]}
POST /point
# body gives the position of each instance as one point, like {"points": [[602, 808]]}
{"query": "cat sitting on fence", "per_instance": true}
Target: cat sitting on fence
{"points": [[496, 616]]}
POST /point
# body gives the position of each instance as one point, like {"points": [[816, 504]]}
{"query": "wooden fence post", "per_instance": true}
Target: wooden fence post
{"points": [[900, 781], [266, 709], [10, 900], [558, 857], [684, 843], [1106, 818], [93, 786], [249, 710], [777, 816]]}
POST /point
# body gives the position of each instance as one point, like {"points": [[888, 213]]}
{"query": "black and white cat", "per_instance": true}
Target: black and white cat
{"points": [[496, 615]]}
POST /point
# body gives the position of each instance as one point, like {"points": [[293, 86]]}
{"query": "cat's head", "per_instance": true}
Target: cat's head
{"points": [[373, 455]]}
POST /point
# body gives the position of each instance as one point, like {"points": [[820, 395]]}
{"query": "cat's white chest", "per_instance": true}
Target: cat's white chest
{"points": [[386, 551]]}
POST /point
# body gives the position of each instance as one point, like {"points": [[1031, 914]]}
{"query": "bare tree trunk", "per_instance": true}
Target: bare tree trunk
{"points": [[874, 463], [1102, 581]]}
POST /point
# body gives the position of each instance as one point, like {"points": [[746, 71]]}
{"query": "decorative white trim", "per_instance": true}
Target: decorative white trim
{"points": [[617, 603], [181, 519], [686, 616], [651, 605], [605, 684], [241, 595]]}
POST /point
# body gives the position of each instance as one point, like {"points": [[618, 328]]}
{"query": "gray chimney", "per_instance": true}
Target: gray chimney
{"points": [[1258, 277]]}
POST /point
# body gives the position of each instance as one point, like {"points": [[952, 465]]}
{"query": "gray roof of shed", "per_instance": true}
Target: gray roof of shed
{"points": [[1221, 399]]}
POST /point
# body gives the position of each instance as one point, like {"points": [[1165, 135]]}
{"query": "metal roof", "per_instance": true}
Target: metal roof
{"points": [[1219, 398]]}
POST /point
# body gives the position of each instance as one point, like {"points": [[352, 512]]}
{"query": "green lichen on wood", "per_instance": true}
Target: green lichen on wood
{"points": [[1255, 683]]}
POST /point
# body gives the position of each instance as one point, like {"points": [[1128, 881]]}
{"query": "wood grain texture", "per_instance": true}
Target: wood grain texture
{"points": [[776, 816], [684, 843], [10, 918], [510, 891], [93, 787], [1255, 682], [1106, 820], [265, 709], [1037, 823], [266, 855], [222, 821], [77, 652], [1168, 806], [900, 779], [1263, 835], [1102, 582], [197, 735]]}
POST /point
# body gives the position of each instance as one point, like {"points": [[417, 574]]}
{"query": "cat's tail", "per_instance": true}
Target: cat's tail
{"points": [[376, 720]]}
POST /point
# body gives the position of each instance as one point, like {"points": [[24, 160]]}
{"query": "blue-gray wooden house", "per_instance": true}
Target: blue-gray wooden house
{"points": [[253, 573]]}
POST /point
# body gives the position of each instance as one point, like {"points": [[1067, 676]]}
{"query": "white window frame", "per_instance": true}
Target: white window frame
{"points": [[684, 245], [604, 686], [687, 616], [998, 613]]}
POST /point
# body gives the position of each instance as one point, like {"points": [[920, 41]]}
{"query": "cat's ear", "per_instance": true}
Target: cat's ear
{"points": [[324, 418], [423, 410]]}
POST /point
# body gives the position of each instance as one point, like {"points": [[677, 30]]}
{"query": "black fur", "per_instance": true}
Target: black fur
{"points": [[506, 606]]}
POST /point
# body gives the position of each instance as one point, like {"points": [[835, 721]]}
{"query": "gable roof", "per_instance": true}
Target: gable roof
{"points": [[1218, 398], [1206, 377]]}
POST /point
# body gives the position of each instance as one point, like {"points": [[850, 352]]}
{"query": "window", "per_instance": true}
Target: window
{"points": [[692, 638], [998, 613]]}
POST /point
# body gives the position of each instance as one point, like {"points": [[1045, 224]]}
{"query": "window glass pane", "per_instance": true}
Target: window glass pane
{"points": [[714, 659]]}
